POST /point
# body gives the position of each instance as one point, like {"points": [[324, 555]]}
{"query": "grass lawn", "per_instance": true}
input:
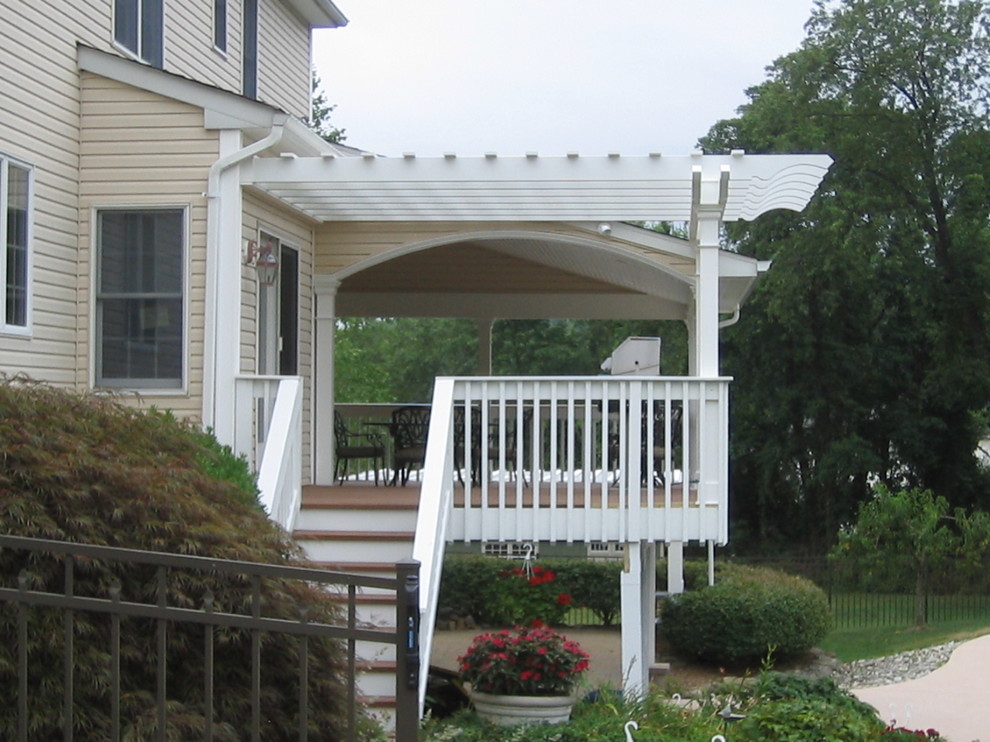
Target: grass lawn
{"points": [[864, 643]]}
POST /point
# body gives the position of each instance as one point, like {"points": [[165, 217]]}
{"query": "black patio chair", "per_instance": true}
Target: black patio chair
{"points": [[651, 462], [350, 446], [408, 428]]}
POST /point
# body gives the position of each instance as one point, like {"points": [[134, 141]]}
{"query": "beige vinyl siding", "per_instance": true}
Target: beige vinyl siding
{"points": [[263, 215], [140, 149], [284, 58], [189, 49], [39, 102]]}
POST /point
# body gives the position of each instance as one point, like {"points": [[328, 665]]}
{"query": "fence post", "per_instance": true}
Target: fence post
{"points": [[407, 663]]}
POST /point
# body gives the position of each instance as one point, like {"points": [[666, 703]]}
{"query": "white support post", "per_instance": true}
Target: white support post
{"points": [[648, 603], [711, 562], [223, 320], [675, 567], [322, 444], [635, 668], [484, 346]]}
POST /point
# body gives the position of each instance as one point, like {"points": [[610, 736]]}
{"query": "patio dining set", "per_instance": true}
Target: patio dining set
{"points": [[398, 447]]}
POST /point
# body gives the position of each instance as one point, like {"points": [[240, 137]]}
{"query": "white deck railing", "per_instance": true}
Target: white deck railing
{"points": [[592, 459], [268, 431]]}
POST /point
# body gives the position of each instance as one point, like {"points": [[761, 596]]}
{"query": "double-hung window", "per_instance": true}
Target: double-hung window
{"points": [[139, 27], [15, 224], [139, 298], [249, 75]]}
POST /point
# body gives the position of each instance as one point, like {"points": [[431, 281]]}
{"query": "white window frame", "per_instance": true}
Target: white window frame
{"points": [[139, 53], [6, 327], [221, 12], [143, 386], [510, 549]]}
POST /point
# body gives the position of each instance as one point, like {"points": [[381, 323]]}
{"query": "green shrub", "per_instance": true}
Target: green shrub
{"points": [[467, 587], [89, 470], [745, 616], [600, 720], [592, 584], [488, 590], [805, 720]]}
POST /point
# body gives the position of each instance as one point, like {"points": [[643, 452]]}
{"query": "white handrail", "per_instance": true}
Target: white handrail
{"points": [[436, 501], [280, 473], [268, 432]]}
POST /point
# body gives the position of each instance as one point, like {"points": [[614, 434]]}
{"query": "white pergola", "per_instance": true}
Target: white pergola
{"points": [[598, 193], [595, 198]]}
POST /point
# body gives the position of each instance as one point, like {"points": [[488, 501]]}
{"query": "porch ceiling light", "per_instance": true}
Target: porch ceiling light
{"points": [[264, 261]]}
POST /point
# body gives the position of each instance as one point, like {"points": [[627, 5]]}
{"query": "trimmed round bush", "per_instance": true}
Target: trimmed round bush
{"points": [[749, 614]]}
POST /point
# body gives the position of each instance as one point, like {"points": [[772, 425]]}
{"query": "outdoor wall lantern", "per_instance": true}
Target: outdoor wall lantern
{"points": [[264, 260]]}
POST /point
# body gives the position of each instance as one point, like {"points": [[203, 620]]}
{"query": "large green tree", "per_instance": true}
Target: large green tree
{"points": [[396, 360], [866, 352]]}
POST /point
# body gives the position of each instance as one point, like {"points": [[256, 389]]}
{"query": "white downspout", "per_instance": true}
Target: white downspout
{"points": [[223, 282], [730, 321]]}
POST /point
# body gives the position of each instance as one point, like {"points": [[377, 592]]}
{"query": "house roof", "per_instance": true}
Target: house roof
{"points": [[222, 109], [318, 13]]}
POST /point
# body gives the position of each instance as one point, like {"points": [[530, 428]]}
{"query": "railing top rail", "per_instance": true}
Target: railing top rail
{"points": [[591, 378], [181, 561], [264, 377]]}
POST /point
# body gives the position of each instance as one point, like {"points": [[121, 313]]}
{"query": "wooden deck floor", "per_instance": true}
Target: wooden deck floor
{"points": [[365, 495]]}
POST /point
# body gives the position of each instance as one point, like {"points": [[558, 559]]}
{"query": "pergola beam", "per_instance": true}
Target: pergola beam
{"points": [[534, 188]]}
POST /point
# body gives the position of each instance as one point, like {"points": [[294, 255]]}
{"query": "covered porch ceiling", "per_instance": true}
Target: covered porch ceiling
{"points": [[632, 273]]}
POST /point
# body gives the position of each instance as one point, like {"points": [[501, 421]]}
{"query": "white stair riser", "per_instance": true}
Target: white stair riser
{"points": [[322, 519], [376, 684], [347, 550]]}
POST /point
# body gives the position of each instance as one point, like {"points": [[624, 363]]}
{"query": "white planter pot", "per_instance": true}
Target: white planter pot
{"points": [[512, 710]]}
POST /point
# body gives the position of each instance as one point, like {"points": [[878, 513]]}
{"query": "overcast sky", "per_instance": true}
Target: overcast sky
{"points": [[547, 76]]}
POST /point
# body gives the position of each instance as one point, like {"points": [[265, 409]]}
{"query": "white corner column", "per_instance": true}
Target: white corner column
{"points": [[324, 332], [223, 296]]}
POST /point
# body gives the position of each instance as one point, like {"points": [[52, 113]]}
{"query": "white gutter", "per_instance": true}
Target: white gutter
{"points": [[211, 415], [731, 320]]}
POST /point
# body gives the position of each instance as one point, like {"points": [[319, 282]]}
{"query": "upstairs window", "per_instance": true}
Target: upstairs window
{"points": [[139, 27], [15, 220], [249, 82], [139, 298], [220, 25]]}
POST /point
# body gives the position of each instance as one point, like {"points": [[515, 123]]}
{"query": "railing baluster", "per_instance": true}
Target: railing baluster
{"points": [[352, 664], [22, 662], [256, 661], [162, 592], [303, 677], [68, 654], [208, 630], [115, 663]]}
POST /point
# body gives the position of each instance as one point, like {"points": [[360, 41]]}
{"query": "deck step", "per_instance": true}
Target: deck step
{"points": [[314, 535]]}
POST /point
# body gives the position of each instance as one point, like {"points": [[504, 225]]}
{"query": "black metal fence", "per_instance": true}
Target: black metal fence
{"points": [[878, 598], [153, 611]]}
